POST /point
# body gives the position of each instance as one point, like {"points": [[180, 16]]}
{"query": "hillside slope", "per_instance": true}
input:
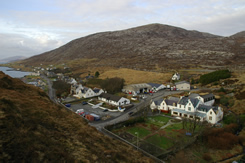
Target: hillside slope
{"points": [[146, 47], [33, 129]]}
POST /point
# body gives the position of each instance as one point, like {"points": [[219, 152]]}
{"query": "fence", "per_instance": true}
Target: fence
{"points": [[141, 150]]}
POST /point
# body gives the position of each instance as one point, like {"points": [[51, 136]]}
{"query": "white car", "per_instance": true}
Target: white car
{"points": [[79, 111], [134, 98]]}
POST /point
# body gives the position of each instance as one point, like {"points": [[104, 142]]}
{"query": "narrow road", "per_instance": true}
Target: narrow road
{"points": [[144, 103], [50, 88]]}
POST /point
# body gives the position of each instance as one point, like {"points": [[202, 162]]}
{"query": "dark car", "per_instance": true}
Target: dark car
{"points": [[130, 113], [84, 103], [105, 110]]}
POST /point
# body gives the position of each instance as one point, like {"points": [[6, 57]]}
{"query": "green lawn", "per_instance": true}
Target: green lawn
{"points": [[160, 141], [141, 131], [158, 120], [177, 126]]}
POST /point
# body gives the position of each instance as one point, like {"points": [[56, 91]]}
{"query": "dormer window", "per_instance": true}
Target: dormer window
{"points": [[211, 112]]}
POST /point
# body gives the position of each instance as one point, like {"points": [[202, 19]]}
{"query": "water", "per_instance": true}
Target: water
{"points": [[13, 73]]}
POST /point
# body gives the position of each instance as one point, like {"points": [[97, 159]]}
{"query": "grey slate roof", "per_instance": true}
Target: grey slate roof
{"points": [[172, 100], [206, 108], [184, 101], [110, 97], [158, 102], [96, 90], [154, 85], [181, 82], [84, 90], [193, 95], [207, 96]]}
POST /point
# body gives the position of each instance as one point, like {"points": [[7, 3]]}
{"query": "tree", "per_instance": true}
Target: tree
{"points": [[97, 74], [191, 125], [113, 85]]}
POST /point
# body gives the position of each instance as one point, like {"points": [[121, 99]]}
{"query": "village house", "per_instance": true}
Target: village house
{"points": [[176, 76], [193, 106], [165, 105], [113, 100], [84, 92], [183, 85]]}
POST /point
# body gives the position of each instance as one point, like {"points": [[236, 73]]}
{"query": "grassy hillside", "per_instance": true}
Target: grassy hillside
{"points": [[135, 76], [33, 129]]}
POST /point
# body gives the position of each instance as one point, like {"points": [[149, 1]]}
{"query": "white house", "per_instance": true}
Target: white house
{"points": [[176, 76], [157, 104], [213, 113], [194, 108], [183, 85], [113, 100], [85, 92], [165, 105]]}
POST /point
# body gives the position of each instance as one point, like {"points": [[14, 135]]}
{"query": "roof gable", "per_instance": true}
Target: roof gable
{"points": [[154, 85], [110, 97]]}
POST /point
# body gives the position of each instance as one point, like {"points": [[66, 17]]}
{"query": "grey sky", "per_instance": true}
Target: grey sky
{"points": [[30, 27]]}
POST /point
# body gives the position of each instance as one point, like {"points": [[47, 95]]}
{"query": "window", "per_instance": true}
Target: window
{"points": [[175, 113], [191, 116], [211, 112], [210, 118], [189, 108], [185, 115]]}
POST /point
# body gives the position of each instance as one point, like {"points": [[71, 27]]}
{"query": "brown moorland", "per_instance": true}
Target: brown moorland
{"points": [[34, 129]]}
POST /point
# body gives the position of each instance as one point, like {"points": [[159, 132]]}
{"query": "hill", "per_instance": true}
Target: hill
{"points": [[33, 129], [12, 59], [147, 47]]}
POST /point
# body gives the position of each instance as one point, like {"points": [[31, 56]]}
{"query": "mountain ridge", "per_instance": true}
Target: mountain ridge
{"points": [[146, 46]]}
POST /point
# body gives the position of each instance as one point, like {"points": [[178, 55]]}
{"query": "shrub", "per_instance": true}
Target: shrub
{"points": [[214, 76], [207, 157], [221, 139]]}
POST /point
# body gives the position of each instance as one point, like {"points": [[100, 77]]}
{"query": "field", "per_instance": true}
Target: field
{"points": [[156, 140], [135, 76], [151, 137]]}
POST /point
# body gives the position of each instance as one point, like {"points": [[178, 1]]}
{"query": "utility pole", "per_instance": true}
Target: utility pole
{"points": [[137, 140]]}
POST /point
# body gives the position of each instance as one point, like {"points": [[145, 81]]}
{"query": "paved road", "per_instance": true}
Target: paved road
{"points": [[124, 116], [51, 92]]}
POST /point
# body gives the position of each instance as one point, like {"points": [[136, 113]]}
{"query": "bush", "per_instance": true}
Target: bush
{"points": [[61, 87], [228, 119], [214, 76], [207, 157], [221, 138], [113, 85]]}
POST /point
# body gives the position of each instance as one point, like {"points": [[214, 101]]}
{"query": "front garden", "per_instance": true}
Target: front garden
{"points": [[158, 137]]}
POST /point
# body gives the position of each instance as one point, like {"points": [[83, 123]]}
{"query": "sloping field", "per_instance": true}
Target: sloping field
{"points": [[136, 76]]}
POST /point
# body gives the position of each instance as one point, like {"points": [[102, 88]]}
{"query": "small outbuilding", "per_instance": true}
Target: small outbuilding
{"points": [[183, 85]]}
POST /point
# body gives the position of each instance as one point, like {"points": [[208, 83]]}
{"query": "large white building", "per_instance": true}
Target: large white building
{"points": [[193, 106], [113, 100]]}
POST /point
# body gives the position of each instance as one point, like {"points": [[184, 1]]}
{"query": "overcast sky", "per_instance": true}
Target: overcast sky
{"points": [[31, 27]]}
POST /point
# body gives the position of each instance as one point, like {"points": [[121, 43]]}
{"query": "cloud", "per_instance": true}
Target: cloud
{"points": [[20, 45], [46, 25]]}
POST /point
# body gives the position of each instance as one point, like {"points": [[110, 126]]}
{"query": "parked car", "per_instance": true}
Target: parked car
{"points": [[130, 113], [68, 105], [84, 103], [105, 110]]}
